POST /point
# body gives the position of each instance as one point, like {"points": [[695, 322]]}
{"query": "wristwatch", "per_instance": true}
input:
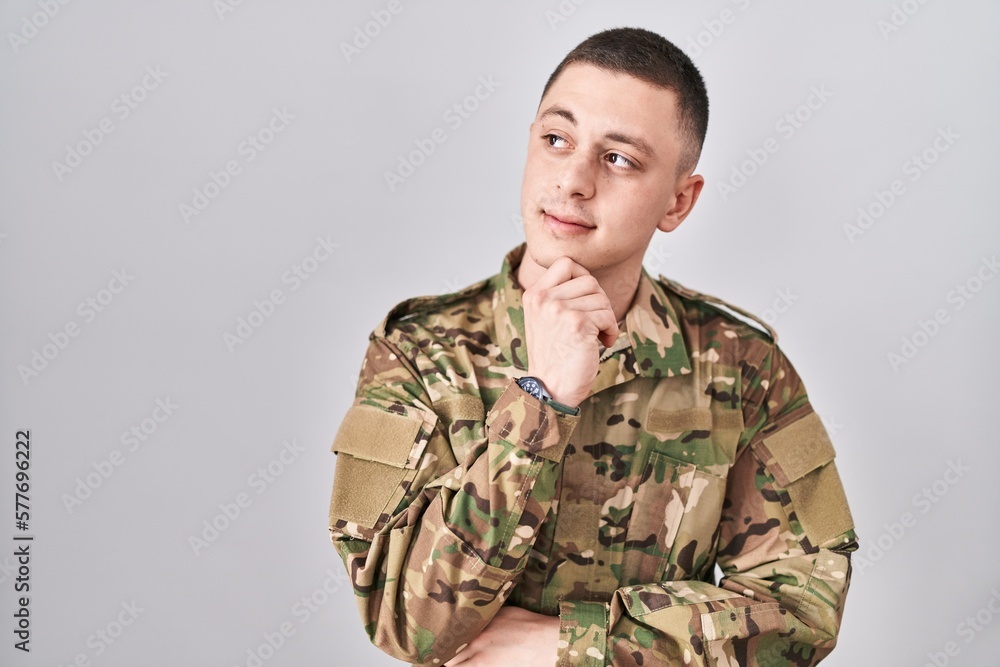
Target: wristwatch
{"points": [[534, 386]]}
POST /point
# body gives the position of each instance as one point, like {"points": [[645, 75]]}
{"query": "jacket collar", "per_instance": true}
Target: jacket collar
{"points": [[652, 327]]}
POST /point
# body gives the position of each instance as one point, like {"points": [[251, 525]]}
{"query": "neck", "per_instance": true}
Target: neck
{"points": [[618, 282]]}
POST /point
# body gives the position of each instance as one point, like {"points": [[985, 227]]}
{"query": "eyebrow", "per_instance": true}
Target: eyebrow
{"points": [[637, 143]]}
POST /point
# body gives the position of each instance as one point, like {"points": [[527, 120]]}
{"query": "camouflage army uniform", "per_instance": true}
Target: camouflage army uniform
{"points": [[456, 492]]}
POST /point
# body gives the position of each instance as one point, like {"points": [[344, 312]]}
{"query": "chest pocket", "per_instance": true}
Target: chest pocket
{"points": [[673, 528]]}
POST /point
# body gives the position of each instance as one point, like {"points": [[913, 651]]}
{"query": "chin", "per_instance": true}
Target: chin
{"points": [[544, 252]]}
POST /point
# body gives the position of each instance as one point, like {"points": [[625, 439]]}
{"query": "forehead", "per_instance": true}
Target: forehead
{"points": [[611, 101]]}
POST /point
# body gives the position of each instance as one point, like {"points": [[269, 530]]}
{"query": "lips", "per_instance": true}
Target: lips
{"points": [[568, 219], [567, 222]]}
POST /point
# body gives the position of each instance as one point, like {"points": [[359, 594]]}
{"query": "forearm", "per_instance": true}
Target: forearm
{"points": [[781, 613], [785, 537], [449, 559]]}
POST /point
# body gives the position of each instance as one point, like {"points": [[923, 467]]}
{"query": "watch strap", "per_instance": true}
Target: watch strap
{"points": [[565, 409], [534, 386]]}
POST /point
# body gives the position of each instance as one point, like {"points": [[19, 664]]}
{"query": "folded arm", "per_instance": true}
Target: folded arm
{"points": [[785, 539], [434, 510]]}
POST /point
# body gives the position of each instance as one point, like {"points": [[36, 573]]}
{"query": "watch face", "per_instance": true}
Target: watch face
{"points": [[531, 386]]}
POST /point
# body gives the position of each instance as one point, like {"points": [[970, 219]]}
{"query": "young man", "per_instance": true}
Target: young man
{"points": [[547, 465]]}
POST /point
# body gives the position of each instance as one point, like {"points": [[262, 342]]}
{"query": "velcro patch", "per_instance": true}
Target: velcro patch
{"points": [[798, 448], [820, 505], [461, 407], [678, 421], [362, 489], [693, 419], [800, 457], [377, 450], [373, 434]]}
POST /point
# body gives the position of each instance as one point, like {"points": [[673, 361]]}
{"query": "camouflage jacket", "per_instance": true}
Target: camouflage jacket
{"points": [[456, 492]]}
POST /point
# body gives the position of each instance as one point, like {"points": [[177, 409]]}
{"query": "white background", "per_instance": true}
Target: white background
{"points": [[780, 239]]}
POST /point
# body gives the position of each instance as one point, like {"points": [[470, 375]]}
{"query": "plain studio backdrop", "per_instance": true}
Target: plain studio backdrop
{"points": [[205, 207]]}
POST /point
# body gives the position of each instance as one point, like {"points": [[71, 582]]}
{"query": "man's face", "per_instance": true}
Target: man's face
{"points": [[601, 172]]}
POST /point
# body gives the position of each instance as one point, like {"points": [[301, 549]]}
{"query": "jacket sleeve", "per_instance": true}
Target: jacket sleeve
{"points": [[434, 508], [785, 538]]}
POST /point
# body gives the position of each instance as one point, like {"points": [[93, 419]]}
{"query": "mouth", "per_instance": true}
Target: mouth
{"points": [[567, 224]]}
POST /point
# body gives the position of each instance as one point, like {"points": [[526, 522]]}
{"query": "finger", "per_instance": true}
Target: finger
{"points": [[576, 287], [461, 657], [608, 325], [561, 270], [599, 313], [588, 303], [608, 339]]}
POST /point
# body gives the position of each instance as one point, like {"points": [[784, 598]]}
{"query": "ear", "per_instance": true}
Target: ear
{"points": [[685, 196]]}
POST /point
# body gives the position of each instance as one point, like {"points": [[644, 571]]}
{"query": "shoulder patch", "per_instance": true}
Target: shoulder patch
{"points": [[689, 293], [408, 308]]}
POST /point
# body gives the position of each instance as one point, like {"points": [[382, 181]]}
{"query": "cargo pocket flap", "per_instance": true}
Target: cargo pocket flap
{"points": [[392, 438], [724, 631], [704, 436], [798, 449]]}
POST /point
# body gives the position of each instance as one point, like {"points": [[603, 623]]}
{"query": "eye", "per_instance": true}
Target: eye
{"points": [[552, 140], [619, 160]]}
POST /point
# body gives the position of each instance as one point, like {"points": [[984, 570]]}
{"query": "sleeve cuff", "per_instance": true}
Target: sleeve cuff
{"points": [[583, 634], [534, 426]]}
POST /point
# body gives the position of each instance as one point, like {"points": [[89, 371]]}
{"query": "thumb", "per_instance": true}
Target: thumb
{"points": [[609, 336]]}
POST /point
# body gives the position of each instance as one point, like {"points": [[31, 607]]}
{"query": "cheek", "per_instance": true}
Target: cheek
{"points": [[532, 174], [650, 207], [632, 213]]}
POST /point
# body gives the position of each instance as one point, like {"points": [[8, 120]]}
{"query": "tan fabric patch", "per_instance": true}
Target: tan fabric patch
{"points": [[376, 435], [461, 407], [727, 420], [578, 523], [362, 489], [820, 504], [799, 448], [566, 424], [689, 419]]}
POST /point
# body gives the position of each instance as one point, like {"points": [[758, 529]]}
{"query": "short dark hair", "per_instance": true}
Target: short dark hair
{"points": [[656, 60]]}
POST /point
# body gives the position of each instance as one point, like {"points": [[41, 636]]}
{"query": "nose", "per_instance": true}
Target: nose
{"points": [[576, 176]]}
